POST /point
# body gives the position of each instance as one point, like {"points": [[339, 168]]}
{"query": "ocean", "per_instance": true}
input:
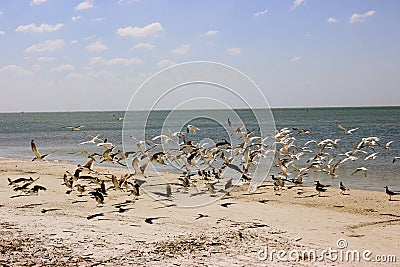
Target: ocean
{"points": [[50, 135]]}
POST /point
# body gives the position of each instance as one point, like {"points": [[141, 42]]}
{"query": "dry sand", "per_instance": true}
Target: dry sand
{"points": [[54, 228]]}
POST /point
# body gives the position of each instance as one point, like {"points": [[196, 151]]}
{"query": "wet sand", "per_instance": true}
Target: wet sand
{"points": [[55, 228]]}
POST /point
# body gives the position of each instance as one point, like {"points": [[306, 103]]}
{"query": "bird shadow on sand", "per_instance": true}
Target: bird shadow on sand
{"points": [[313, 195]]}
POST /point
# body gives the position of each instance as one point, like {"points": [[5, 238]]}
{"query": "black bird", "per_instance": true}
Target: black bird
{"points": [[151, 219], [201, 216], [391, 193], [225, 205], [98, 196], [342, 188], [35, 189], [320, 187]]}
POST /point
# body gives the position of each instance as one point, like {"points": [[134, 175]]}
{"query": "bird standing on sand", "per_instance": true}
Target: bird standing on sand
{"points": [[391, 193], [169, 190], [342, 188], [320, 187]]}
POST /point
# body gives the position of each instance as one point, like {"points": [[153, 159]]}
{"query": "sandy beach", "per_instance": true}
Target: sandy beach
{"points": [[55, 228]]}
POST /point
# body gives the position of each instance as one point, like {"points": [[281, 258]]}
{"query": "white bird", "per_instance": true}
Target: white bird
{"points": [[192, 128], [163, 137], [371, 156], [345, 130], [387, 146], [75, 128], [395, 158], [93, 140], [105, 144]]}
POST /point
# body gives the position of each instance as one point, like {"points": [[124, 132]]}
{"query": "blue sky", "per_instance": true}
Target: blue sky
{"points": [[92, 55]]}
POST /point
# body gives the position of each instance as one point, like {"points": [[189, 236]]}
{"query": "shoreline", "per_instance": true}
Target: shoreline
{"points": [[58, 223]]}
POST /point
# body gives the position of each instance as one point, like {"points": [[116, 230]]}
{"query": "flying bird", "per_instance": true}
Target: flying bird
{"points": [[75, 128], [363, 169], [38, 156], [345, 130], [192, 128]]}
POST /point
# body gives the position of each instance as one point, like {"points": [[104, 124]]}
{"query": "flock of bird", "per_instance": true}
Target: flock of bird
{"points": [[214, 168]]}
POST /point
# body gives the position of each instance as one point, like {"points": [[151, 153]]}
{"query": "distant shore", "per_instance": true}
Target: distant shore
{"points": [[52, 227]]}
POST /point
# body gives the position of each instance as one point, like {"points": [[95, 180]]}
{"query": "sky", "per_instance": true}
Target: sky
{"points": [[93, 55]]}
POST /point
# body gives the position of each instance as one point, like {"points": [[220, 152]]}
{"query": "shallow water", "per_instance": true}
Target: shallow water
{"points": [[47, 128]]}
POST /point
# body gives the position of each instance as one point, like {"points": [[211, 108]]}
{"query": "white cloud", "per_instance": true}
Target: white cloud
{"points": [[37, 2], [99, 61], [148, 30], [99, 19], [1, 13], [261, 13], [182, 50], [165, 63], [233, 51], [210, 33], [16, 70], [126, 2], [48, 45], [74, 41], [96, 46], [2, 33], [33, 28], [84, 5], [295, 59], [332, 20], [297, 3], [143, 45], [75, 18], [361, 17], [63, 67], [46, 59]]}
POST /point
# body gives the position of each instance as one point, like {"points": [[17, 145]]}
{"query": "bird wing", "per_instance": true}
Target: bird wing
{"points": [[34, 149]]}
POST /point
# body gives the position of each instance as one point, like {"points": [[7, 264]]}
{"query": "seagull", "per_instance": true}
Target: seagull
{"points": [[345, 130], [342, 188], [395, 158], [163, 137], [387, 146], [37, 154], [105, 144], [391, 193], [93, 140], [363, 169], [75, 128], [192, 128], [118, 118], [371, 156]]}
